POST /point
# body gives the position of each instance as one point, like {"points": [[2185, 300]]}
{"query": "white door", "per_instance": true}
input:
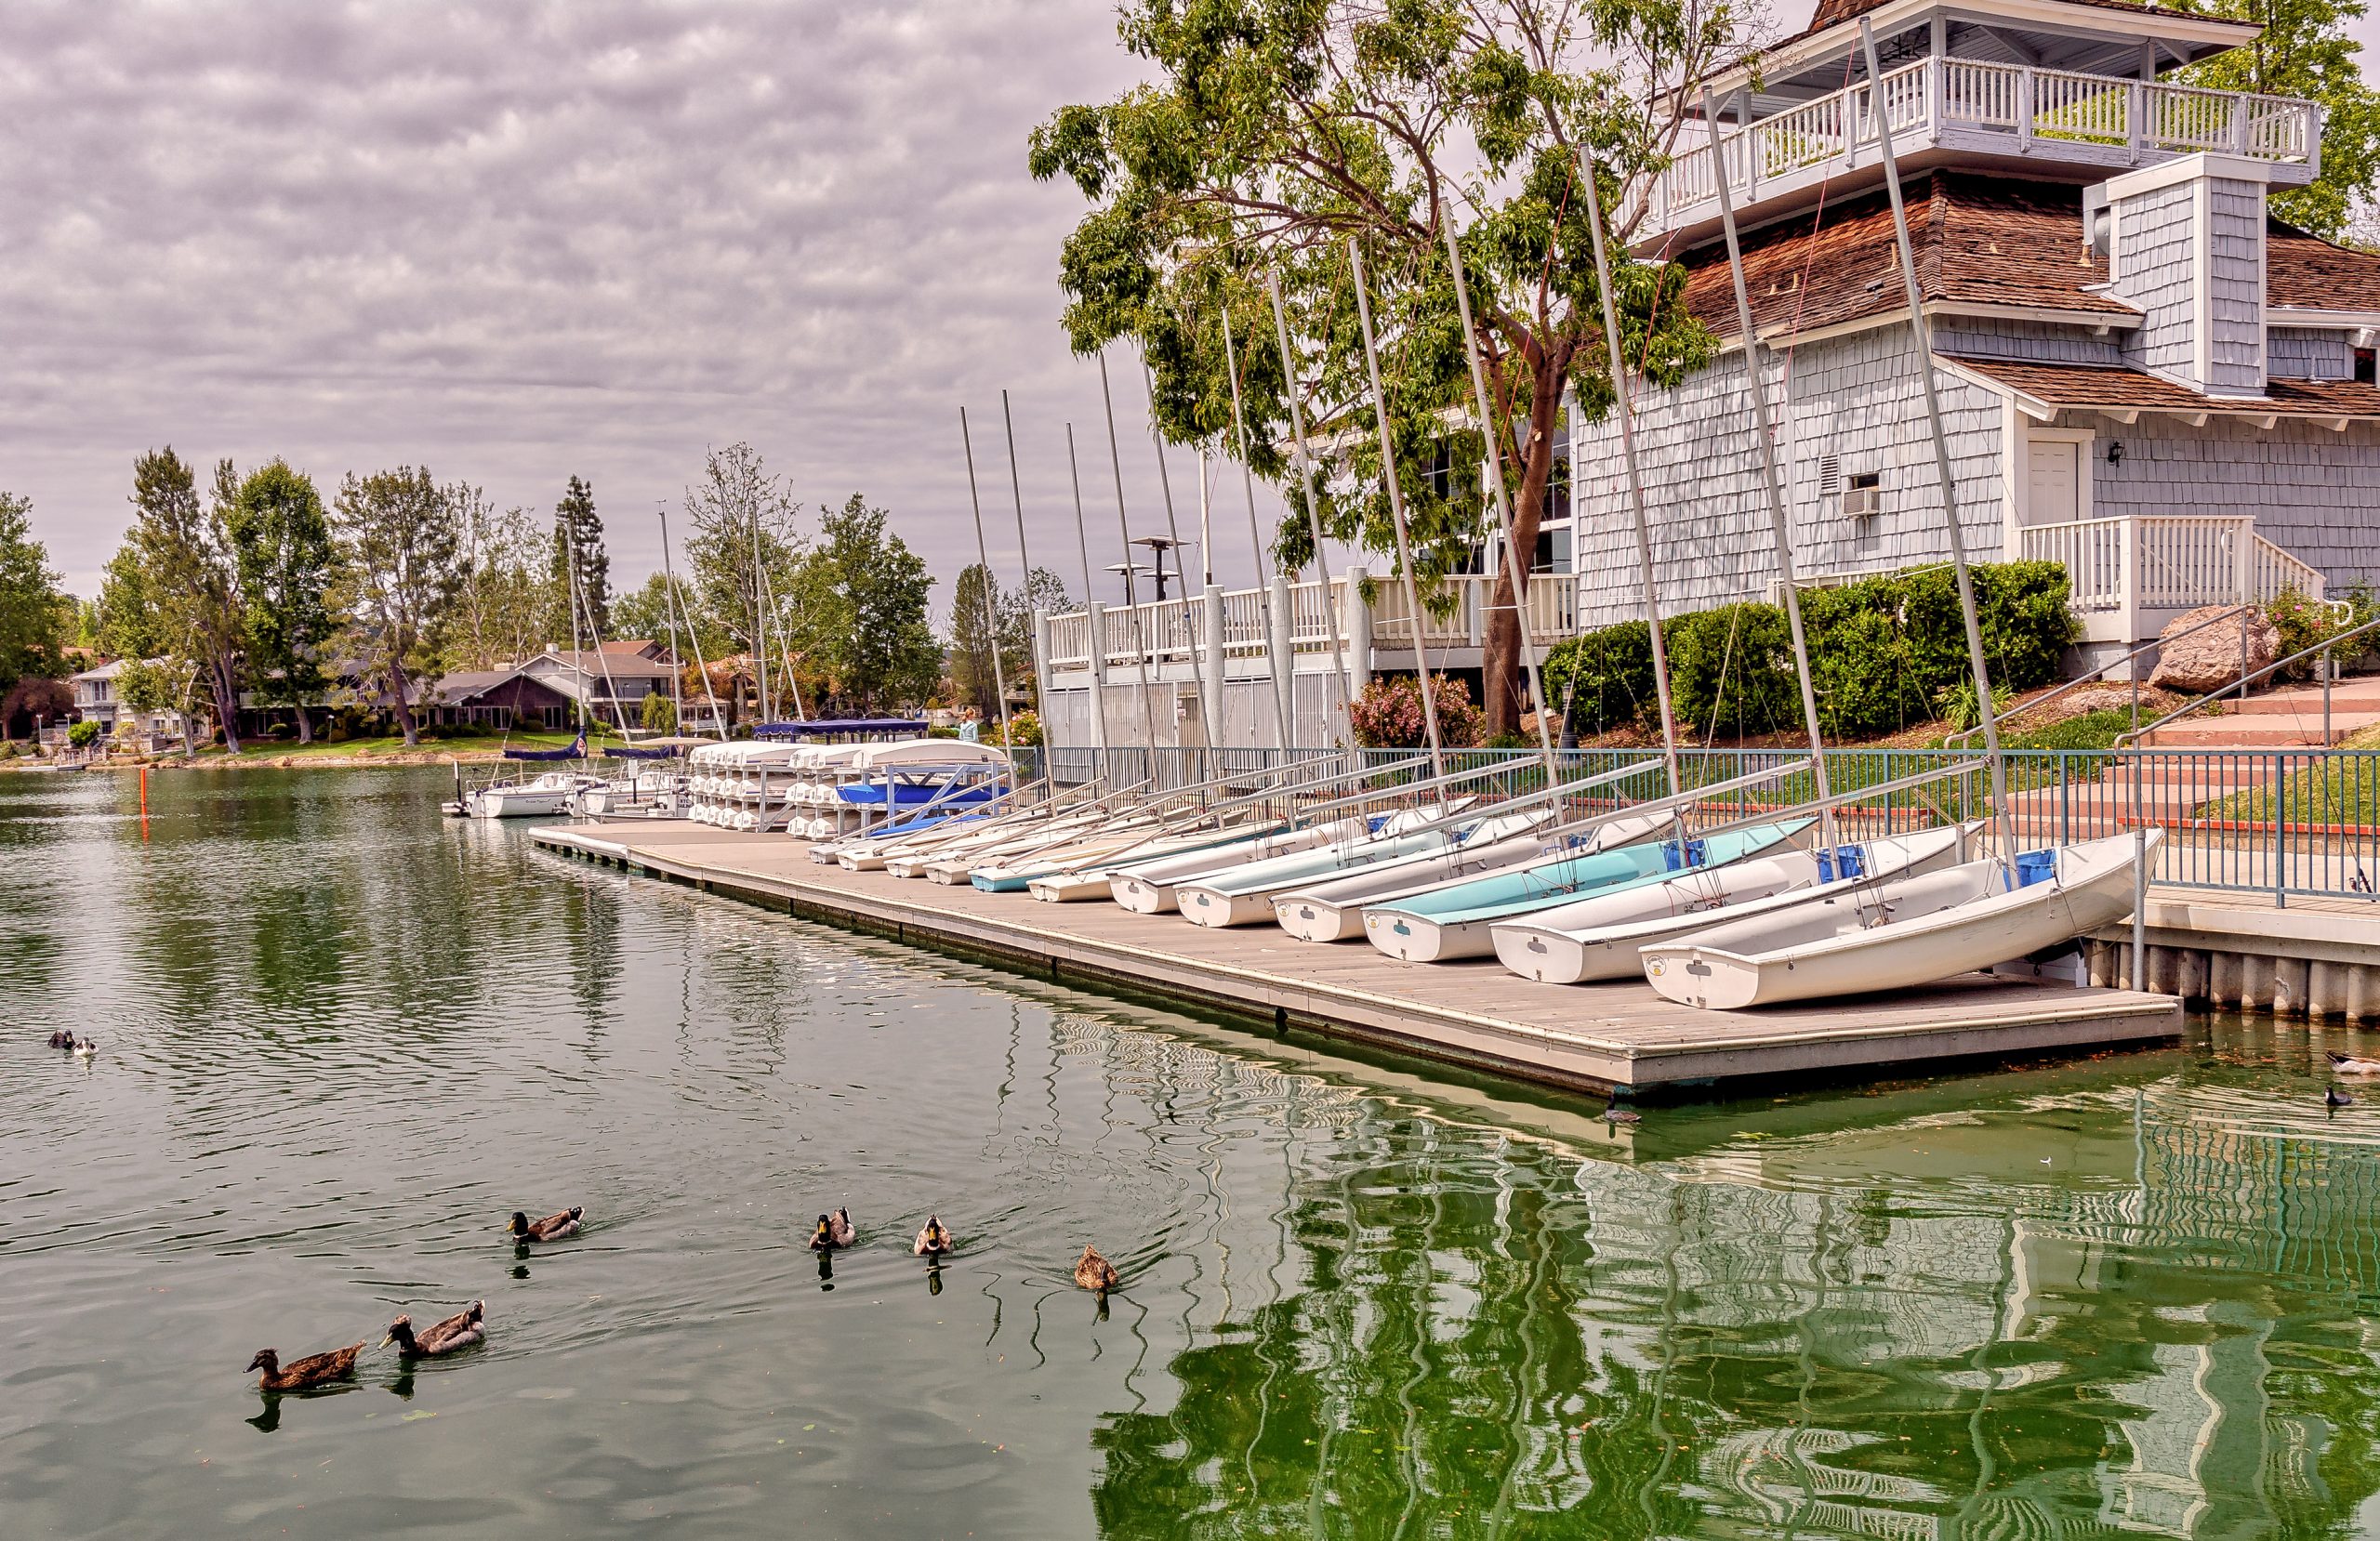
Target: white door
{"points": [[2053, 481]]}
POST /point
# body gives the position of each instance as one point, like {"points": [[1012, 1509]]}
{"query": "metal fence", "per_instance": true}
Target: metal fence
{"points": [[2279, 822]]}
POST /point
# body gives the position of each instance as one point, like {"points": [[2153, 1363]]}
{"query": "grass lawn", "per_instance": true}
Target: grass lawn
{"points": [[2347, 791], [362, 748]]}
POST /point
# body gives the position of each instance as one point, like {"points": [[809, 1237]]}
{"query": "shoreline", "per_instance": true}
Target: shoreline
{"points": [[366, 760]]}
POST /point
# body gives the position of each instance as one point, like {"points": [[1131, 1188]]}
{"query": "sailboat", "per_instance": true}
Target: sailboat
{"points": [[1333, 909]]}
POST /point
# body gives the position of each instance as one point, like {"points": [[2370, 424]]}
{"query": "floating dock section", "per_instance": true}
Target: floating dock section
{"points": [[1599, 1039]]}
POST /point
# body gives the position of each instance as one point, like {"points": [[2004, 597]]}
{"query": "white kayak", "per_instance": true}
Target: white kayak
{"points": [[1453, 920], [1889, 936], [1146, 888], [1243, 894], [1333, 910], [1598, 938]]}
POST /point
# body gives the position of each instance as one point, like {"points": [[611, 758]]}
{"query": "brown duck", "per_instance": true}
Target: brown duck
{"points": [[459, 1331], [314, 1370], [553, 1228], [933, 1240], [833, 1232], [1093, 1271]]}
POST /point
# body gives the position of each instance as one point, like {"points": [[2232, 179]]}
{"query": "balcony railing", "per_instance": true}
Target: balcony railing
{"points": [[2130, 574], [1553, 612], [1975, 104]]}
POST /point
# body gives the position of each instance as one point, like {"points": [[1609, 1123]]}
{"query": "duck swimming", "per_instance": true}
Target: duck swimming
{"points": [[935, 1240], [553, 1228], [84, 1049], [834, 1231], [2348, 1064], [314, 1370], [62, 1040], [1093, 1271], [459, 1331]]}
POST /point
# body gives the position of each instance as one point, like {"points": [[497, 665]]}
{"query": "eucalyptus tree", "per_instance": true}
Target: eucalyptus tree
{"points": [[280, 544], [190, 577], [1272, 132], [401, 550], [33, 614], [745, 549], [509, 600]]}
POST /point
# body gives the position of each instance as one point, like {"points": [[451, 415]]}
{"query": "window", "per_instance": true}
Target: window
{"points": [[2364, 361]]}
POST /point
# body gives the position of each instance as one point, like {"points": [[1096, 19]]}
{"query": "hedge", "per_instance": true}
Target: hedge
{"points": [[1882, 651]]}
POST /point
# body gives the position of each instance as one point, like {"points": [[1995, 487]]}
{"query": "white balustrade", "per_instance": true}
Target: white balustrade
{"points": [[2092, 552]]}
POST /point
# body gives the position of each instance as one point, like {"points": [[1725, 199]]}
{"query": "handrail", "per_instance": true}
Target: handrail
{"points": [[1955, 741], [2132, 739]]}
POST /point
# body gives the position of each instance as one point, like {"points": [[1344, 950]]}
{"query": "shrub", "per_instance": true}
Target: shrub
{"points": [[2302, 624], [336, 733], [280, 732], [83, 735], [1389, 715], [1024, 730], [658, 715], [1883, 651]]}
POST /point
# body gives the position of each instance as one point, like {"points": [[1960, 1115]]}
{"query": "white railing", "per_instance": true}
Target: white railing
{"points": [[2038, 110], [1553, 612], [2128, 576]]}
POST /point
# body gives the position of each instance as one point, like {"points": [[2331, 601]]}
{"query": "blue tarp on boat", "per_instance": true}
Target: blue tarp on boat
{"points": [[610, 753], [914, 794], [577, 750]]}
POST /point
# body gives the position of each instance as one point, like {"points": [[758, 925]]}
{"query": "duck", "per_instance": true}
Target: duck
{"points": [[314, 1370], [935, 1240], [459, 1331], [2333, 1098], [553, 1228], [1618, 1114], [1093, 1271], [84, 1049], [2348, 1064], [62, 1040], [834, 1231]]}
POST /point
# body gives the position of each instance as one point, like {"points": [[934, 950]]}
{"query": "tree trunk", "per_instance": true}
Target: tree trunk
{"points": [[1500, 653], [305, 725], [225, 687], [402, 709]]}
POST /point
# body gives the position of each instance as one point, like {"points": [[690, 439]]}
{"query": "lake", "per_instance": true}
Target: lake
{"points": [[343, 1038]]}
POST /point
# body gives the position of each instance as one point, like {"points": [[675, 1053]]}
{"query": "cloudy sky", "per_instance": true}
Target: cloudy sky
{"points": [[515, 241]]}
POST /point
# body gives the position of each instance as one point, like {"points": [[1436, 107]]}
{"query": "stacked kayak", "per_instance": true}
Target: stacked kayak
{"points": [[1597, 937], [1333, 909], [1454, 921], [1914, 930]]}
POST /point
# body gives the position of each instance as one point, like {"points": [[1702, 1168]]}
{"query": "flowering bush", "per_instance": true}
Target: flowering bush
{"points": [[1388, 715], [1024, 728]]}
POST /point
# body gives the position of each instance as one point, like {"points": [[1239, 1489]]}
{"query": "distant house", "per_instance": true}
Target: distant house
{"points": [[500, 699], [99, 697], [610, 681]]}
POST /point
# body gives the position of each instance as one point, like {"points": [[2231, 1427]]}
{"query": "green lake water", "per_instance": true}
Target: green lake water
{"points": [[342, 1038]]}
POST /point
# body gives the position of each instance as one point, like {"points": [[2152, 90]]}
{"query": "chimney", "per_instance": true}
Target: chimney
{"points": [[2185, 241]]}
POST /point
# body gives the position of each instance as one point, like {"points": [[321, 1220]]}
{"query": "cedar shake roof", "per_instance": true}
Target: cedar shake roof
{"points": [[1982, 239], [2085, 387], [1979, 240], [2306, 269]]}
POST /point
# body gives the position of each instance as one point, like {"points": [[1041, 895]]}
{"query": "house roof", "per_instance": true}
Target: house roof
{"points": [[1979, 240], [633, 647], [2078, 387], [1834, 13], [617, 665], [1983, 240]]}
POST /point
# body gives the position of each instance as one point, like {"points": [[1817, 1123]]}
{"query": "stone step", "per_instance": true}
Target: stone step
{"points": [[2361, 697], [2235, 732]]}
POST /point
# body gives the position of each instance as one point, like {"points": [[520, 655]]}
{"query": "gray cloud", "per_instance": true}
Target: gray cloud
{"points": [[518, 241]]}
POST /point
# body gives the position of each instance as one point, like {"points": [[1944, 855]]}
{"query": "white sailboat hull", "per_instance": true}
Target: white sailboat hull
{"points": [[1333, 911], [1934, 926], [1600, 938], [1149, 887], [1245, 895]]}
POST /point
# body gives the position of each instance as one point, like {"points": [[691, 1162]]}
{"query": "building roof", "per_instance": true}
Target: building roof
{"points": [[633, 647], [1980, 240], [1833, 13], [2076, 386], [464, 684], [629, 665]]}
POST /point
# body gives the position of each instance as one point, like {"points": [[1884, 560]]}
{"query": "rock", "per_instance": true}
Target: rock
{"points": [[2209, 659]]}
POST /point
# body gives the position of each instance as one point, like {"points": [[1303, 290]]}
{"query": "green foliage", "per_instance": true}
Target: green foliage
{"points": [[1954, 704], [2308, 49], [150, 685], [1389, 714], [1883, 653], [1023, 731], [280, 545], [2302, 624], [400, 554], [189, 573], [33, 613], [83, 735], [863, 613], [35, 700], [744, 553], [1009, 617], [508, 603], [578, 541], [2097, 729], [1271, 135], [659, 714]]}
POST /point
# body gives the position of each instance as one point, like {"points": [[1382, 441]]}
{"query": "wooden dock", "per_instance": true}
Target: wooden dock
{"points": [[1599, 1038]]}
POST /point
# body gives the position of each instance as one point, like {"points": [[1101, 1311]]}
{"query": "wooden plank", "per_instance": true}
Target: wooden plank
{"points": [[1600, 1037]]}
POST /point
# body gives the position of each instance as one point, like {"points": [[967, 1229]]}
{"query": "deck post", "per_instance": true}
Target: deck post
{"points": [[1098, 678], [1041, 663], [1211, 670], [1359, 631], [2128, 585], [2025, 110], [1280, 655]]}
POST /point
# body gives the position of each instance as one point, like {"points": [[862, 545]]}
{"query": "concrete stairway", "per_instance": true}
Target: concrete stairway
{"points": [[2291, 717]]}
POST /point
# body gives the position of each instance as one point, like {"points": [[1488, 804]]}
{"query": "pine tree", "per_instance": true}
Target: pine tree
{"points": [[578, 533]]}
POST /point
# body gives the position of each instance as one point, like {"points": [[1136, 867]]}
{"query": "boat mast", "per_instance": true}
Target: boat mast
{"points": [[1098, 643], [1779, 527], [1283, 679], [1492, 438], [991, 612], [1141, 665], [669, 576], [1173, 532], [759, 627], [1396, 511], [1923, 331], [1331, 620], [1624, 413]]}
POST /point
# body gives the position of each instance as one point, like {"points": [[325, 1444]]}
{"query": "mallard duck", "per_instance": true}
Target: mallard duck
{"points": [[834, 1231], [1618, 1114], [459, 1331], [84, 1049], [62, 1040], [2333, 1098], [553, 1228], [2348, 1064], [933, 1240], [314, 1370], [1093, 1271]]}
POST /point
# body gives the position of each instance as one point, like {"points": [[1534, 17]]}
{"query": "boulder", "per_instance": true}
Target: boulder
{"points": [[2209, 659]]}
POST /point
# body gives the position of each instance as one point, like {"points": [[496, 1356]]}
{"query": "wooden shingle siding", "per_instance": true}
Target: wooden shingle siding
{"points": [[2155, 271], [1976, 337], [2295, 354], [2312, 491], [2235, 306], [1855, 398]]}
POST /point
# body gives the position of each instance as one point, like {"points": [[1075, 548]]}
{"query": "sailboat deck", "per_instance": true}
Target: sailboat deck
{"points": [[1596, 1037]]}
